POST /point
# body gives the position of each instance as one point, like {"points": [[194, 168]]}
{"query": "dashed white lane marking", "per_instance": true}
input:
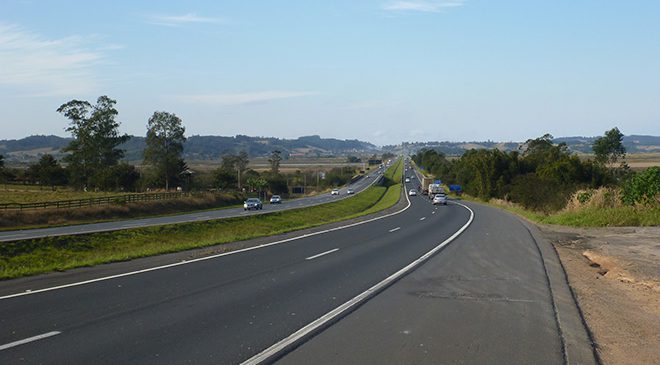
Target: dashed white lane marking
{"points": [[28, 340], [395, 229], [421, 219], [322, 254]]}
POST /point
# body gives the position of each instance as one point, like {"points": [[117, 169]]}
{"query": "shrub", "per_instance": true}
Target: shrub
{"points": [[643, 188]]}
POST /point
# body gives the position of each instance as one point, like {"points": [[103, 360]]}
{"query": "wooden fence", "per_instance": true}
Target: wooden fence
{"points": [[108, 200]]}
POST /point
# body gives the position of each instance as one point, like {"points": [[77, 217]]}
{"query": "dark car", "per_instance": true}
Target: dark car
{"points": [[253, 203]]}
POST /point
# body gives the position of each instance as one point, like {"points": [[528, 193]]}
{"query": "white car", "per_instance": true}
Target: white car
{"points": [[276, 199], [412, 192], [334, 192], [407, 179], [350, 191], [440, 199]]}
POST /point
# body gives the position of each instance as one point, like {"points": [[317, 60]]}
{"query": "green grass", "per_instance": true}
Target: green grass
{"points": [[42, 255], [32, 194], [626, 216]]}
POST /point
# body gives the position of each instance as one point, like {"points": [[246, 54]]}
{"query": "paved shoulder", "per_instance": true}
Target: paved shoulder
{"points": [[486, 298]]}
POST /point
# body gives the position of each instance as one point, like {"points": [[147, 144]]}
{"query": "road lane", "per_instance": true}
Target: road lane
{"points": [[358, 186], [218, 311]]}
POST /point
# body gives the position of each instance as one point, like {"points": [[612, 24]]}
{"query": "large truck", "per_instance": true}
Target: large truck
{"points": [[435, 189], [425, 183]]}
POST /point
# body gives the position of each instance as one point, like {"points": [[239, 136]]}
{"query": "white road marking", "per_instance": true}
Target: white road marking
{"points": [[130, 273], [313, 326], [28, 340], [322, 254], [421, 219], [395, 229]]}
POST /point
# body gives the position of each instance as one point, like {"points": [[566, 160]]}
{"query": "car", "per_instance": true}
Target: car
{"points": [[334, 192], [276, 199], [350, 191], [253, 203], [412, 192], [407, 179], [440, 199]]}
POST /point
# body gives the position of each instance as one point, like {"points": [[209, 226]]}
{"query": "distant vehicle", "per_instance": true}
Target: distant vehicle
{"points": [[350, 191], [367, 176], [276, 199], [407, 179], [412, 192], [412, 177], [440, 199], [436, 189], [334, 192], [253, 203]]}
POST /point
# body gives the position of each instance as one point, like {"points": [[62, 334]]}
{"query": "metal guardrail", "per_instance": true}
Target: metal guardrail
{"points": [[108, 200]]}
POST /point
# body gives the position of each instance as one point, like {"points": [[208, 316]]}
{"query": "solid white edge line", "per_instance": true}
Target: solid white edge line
{"points": [[28, 340], [321, 254], [281, 345], [30, 292], [190, 220]]}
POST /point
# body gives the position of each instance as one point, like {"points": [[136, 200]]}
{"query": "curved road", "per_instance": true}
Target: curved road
{"points": [[485, 298], [18, 235]]}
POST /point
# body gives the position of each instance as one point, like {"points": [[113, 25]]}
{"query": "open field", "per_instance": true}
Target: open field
{"points": [[29, 257], [33, 194]]}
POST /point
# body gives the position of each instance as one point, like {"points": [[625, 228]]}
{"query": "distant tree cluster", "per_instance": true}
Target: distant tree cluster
{"points": [[540, 175]]}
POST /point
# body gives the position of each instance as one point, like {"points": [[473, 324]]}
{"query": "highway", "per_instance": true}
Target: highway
{"points": [[488, 295], [17, 235]]}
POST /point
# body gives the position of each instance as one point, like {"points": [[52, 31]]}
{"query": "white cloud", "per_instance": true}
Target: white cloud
{"points": [[41, 66], [180, 20], [242, 98], [430, 6]]}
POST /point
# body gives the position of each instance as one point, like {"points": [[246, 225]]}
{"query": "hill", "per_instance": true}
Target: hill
{"points": [[29, 149]]}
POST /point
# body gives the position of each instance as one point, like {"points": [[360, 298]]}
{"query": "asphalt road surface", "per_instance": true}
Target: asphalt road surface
{"points": [[484, 298], [17, 235]]}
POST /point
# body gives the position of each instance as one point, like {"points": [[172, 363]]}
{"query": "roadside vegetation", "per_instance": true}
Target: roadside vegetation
{"points": [[42, 255], [547, 183]]}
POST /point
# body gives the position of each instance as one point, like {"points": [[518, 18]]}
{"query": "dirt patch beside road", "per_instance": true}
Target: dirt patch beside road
{"points": [[615, 274]]}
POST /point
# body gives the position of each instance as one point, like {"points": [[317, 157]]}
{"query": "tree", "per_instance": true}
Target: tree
{"points": [[165, 138], [96, 138], [609, 148], [274, 160], [242, 162], [643, 188], [47, 172]]}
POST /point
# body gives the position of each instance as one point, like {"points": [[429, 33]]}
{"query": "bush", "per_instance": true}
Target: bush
{"points": [[539, 194], [643, 188]]}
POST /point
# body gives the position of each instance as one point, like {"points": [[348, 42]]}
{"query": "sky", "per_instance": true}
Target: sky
{"points": [[381, 71]]}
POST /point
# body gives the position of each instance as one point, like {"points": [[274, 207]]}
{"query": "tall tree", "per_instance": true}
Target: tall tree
{"points": [[274, 160], [47, 172], [609, 149], [242, 162], [165, 138], [96, 138]]}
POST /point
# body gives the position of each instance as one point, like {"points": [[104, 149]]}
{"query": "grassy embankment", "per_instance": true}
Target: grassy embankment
{"points": [[585, 215], [42, 255]]}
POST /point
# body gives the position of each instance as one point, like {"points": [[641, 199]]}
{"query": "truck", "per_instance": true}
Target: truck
{"points": [[425, 183], [435, 189]]}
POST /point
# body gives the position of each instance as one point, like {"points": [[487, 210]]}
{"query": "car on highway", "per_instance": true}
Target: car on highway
{"points": [[350, 191], [412, 192], [440, 199], [253, 203], [407, 179], [334, 192], [276, 199]]}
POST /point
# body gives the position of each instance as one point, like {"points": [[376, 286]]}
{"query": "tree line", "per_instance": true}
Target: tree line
{"points": [[541, 175], [93, 159]]}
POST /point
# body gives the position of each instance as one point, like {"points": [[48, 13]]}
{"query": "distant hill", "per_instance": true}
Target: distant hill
{"points": [[197, 147], [633, 144]]}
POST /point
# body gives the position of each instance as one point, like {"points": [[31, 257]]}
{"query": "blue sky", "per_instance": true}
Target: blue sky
{"points": [[382, 71]]}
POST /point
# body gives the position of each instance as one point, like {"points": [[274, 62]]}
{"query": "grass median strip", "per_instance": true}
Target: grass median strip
{"points": [[29, 257]]}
